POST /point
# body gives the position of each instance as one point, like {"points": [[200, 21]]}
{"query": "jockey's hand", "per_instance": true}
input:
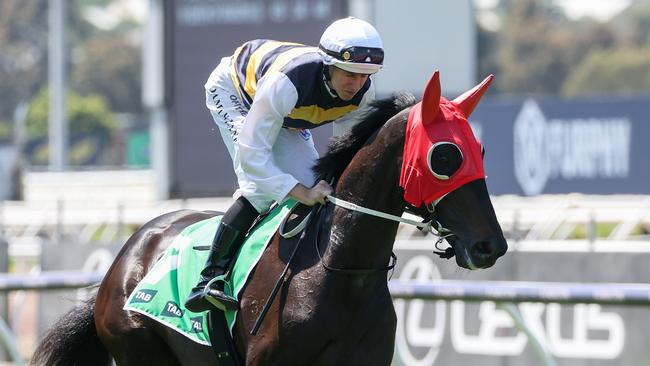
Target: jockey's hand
{"points": [[311, 196]]}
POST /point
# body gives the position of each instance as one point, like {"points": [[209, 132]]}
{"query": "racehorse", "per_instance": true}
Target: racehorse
{"points": [[334, 307]]}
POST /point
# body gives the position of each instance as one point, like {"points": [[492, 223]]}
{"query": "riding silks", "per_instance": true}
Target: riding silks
{"points": [[162, 292]]}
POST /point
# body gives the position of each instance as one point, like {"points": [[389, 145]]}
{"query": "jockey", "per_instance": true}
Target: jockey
{"points": [[264, 99]]}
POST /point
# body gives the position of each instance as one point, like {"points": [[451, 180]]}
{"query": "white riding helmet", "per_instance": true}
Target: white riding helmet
{"points": [[352, 45]]}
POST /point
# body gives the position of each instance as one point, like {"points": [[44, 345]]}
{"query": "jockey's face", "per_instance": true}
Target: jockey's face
{"points": [[346, 84]]}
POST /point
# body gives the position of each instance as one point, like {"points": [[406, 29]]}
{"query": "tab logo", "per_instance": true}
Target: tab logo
{"points": [[197, 324], [172, 309], [143, 296]]}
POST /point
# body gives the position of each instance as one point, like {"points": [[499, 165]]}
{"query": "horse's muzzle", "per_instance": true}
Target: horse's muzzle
{"points": [[480, 254]]}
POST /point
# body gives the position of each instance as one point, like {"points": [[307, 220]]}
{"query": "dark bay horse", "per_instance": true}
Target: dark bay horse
{"points": [[331, 311]]}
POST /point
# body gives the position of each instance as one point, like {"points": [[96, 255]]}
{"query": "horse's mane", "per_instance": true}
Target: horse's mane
{"points": [[342, 149]]}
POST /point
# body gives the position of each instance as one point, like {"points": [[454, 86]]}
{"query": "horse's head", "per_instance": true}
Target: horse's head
{"points": [[442, 171]]}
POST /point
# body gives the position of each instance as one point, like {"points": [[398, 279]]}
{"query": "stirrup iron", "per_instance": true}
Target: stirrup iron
{"points": [[223, 302]]}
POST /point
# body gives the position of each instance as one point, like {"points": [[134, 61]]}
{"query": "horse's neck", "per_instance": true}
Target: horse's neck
{"points": [[360, 240]]}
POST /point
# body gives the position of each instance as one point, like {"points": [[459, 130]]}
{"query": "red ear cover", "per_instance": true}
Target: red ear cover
{"points": [[431, 98], [468, 101]]}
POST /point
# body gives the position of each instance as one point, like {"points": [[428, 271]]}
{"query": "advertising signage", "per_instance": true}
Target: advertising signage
{"points": [[589, 146], [483, 333], [199, 33]]}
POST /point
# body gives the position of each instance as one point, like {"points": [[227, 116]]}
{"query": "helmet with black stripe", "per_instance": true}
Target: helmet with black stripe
{"points": [[353, 45]]}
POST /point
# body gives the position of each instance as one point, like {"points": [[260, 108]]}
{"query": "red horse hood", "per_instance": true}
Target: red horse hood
{"points": [[433, 121]]}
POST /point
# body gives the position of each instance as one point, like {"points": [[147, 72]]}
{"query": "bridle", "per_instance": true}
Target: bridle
{"points": [[440, 231], [426, 225]]}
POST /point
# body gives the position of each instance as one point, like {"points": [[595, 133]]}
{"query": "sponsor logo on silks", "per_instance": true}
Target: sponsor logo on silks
{"points": [[143, 296], [197, 324], [172, 309], [306, 135]]}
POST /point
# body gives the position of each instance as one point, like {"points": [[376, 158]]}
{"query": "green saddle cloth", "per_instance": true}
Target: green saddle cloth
{"points": [[162, 292]]}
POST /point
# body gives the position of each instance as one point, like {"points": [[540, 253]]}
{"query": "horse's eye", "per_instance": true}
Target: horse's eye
{"points": [[444, 159]]}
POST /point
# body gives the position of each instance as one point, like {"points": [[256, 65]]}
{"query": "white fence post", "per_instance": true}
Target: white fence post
{"points": [[540, 348]]}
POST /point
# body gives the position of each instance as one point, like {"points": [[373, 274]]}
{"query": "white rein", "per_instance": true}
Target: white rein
{"points": [[438, 231]]}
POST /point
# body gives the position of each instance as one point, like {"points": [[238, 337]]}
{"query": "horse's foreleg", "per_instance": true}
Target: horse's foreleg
{"points": [[376, 346]]}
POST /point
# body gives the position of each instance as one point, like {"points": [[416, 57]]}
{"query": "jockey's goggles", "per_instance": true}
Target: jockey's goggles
{"points": [[365, 55]]}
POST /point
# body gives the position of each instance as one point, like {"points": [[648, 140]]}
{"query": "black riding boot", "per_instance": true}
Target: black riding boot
{"points": [[224, 247]]}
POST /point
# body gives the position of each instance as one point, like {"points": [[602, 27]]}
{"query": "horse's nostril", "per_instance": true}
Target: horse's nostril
{"points": [[484, 247]]}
